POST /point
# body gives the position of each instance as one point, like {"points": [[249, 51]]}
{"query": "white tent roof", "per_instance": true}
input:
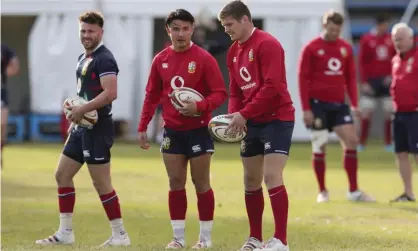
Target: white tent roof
{"points": [[259, 8]]}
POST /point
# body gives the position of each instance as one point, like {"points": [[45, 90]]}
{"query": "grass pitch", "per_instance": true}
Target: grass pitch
{"points": [[30, 207]]}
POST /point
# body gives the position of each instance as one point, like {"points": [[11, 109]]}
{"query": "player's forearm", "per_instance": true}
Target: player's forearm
{"points": [[104, 98], [362, 59], [363, 74], [351, 76], [261, 103], [353, 93], [148, 109], [146, 117], [235, 102], [304, 78], [234, 105], [304, 93], [213, 101]]}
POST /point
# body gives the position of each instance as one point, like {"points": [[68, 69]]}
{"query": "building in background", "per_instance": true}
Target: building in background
{"points": [[47, 44]]}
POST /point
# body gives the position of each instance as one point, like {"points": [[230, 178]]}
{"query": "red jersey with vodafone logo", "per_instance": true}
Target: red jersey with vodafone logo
{"points": [[375, 56], [194, 68], [404, 87], [258, 87], [326, 72]]}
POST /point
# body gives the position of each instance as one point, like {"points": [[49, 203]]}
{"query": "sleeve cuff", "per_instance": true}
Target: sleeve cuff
{"points": [[245, 114], [200, 106], [142, 128]]}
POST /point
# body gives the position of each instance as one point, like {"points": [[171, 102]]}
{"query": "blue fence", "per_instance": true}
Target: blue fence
{"points": [[36, 127]]}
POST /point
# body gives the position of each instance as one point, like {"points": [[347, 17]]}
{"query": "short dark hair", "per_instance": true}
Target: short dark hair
{"points": [[235, 9], [382, 18], [179, 14], [92, 17], [334, 17]]}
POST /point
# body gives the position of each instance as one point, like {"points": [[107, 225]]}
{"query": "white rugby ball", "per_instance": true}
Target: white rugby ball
{"points": [[217, 128], [89, 119], [179, 95]]}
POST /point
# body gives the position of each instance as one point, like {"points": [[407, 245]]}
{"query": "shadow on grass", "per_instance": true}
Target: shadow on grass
{"points": [[152, 231], [375, 158], [412, 209], [13, 190]]}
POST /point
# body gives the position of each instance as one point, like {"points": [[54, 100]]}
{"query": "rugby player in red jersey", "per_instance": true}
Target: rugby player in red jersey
{"points": [[261, 103], [186, 136], [404, 91], [375, 55], [326, 71]]}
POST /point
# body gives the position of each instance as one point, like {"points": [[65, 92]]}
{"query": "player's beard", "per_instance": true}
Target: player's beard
{"points": [[91, 43]]}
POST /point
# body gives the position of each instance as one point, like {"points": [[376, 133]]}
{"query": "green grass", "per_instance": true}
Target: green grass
{"points": [[29, 202]]}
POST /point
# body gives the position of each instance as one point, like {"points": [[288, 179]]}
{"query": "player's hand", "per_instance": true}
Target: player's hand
{"points": [[366, 89], [143, 140], [238, 123], [76, 114], [189, 108], [356, 112], [308, 118]]}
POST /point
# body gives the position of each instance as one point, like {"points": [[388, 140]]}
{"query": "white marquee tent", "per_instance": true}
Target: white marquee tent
{"points": [[54, 47]]}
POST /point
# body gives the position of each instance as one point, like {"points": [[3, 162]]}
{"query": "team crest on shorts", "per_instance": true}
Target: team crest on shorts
{"points": [[318, 123], [166, 143], [243, 146], [192, 67]]}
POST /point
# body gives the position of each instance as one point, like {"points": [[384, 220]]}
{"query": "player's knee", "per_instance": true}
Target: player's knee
{"points": [[273, 169], [319, 140], [177, 182], [201, 181], [387, 106], [273, 178], [354, 141], [366, 114], [103, 186], [201, 185], [63, 179], [351, 142], [367, 105], [252, 182]]}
